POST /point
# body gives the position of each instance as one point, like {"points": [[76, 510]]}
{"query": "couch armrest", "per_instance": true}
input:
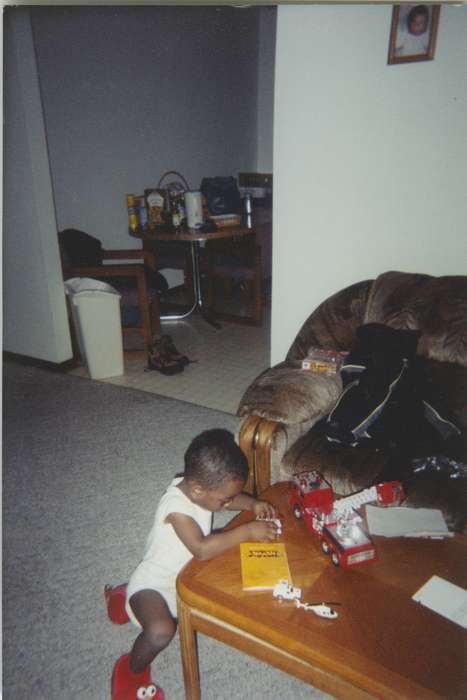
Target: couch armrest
{"points": [[264, 443], [255, 439], [281, 405], [287, 394]]}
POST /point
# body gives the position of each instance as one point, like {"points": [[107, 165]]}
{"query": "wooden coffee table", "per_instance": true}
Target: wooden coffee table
{"points": [[382, 645]]}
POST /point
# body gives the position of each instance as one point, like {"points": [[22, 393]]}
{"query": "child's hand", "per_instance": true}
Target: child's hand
{"points": [[262, 531], [263, 509]]}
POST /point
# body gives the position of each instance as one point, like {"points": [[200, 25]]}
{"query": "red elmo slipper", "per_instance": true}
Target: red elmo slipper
{"points": [[115, 597], [127, 685]]}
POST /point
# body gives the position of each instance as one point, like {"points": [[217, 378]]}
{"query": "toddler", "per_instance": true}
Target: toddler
{"points": [[215, 474], [413, 37]]}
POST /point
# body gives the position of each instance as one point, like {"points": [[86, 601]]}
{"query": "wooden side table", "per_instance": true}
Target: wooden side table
{"points": [[195, 238]]}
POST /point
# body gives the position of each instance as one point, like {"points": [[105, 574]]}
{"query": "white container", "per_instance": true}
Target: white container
{"points": [[194, 209], [95, 308]]}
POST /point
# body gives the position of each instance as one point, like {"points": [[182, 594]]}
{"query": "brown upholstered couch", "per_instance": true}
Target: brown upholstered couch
{"points": [[283, 404]]}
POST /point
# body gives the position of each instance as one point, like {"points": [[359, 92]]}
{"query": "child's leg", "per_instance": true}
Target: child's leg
{"points": [[158, 625]]}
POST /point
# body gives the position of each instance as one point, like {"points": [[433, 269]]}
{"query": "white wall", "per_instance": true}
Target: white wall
{"points": [[370, 160], [131, 92], [266, 60], [34, 301]]}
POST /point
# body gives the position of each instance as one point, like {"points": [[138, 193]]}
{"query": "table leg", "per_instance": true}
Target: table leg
{"points": [[189, 652], [196, 286], [198, 295], [208, 317]]}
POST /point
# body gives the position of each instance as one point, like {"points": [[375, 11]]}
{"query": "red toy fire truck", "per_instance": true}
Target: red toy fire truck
{"points": [[336, 522]]}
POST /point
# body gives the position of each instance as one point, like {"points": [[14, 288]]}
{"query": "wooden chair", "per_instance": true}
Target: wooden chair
{"points": [[131, 279], [236, 262]]}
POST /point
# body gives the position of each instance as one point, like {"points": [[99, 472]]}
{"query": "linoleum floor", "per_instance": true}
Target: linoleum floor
{"points": [[224, 363]]}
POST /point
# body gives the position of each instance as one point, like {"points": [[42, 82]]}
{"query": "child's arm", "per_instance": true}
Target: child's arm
{"points": [[208, 546], [260, 508]]}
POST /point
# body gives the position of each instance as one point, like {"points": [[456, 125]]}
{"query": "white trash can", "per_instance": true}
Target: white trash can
{"points": [[95, 308]]}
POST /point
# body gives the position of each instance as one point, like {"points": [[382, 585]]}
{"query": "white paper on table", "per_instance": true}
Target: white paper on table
{"points": [[445, 598], [406, 522]]}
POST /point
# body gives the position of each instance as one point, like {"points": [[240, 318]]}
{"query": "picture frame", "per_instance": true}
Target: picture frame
{"points": [[414, 29]]}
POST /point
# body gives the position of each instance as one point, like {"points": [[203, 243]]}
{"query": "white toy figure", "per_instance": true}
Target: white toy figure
{"points": [[277, 522], [321, 609], [285, 591]]}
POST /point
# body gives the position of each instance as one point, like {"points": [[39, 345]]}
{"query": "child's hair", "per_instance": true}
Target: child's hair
{"points": [[421, 10], [213, 458]]}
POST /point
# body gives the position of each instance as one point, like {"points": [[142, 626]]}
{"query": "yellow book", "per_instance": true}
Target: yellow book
{"points": [[263, 565]]}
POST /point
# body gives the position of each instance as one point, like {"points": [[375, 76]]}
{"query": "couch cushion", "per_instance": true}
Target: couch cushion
{"points": [[437, 306], [347, 469], [333, 324]]}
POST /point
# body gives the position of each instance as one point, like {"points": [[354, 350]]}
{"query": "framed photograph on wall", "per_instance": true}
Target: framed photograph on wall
{"points": [[413, 33]]}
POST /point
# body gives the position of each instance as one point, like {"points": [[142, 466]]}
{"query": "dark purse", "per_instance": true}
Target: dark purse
{"points": [[222, 195]]}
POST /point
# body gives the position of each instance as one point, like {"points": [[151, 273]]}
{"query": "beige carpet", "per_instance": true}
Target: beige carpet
{"points": [[84, 465]]}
